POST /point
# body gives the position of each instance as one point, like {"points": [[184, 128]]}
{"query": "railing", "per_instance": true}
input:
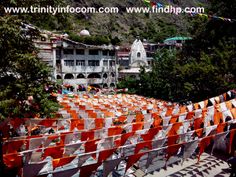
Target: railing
{"points": [[79, 69]]}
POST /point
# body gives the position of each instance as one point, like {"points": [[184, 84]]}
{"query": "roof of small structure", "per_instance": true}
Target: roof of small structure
{"points": [[178, 38]]}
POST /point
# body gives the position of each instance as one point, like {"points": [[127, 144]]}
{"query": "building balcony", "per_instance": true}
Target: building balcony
{"points": [[83, 81], [86, 69], [109, 80], [81, 69], [109, 68]]}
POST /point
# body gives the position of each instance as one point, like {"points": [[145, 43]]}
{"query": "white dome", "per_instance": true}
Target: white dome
{"points": [[84, 33], [65, 35]]}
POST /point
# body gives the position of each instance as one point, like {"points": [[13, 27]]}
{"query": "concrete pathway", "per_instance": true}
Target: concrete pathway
{"points": [[209, 166]]}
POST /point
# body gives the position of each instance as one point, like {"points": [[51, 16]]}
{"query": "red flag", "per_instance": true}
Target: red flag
{"points": [[151, 134], [125, 137], [218, 118], [183, 109], [137, 126], [199, 132], [139, 146], [172, 139], [198, 122], [189, 115], [103, 155], [117, 142], [12, 160], [16, 122], [47, 122], [133, 159], [157, 122], [139, 117], [221, 127], [89, 135], [169, 111], [174, 129], [87, 170], [172, 150], [114, 131], [91, 146], [62, 161], [92, 115], [64, 137], [13, 146], [122, 118], [55, 152], [77, 123], [203, 145], [174, 119], [99, 123]]}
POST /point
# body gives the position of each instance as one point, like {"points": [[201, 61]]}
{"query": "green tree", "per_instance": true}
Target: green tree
{"points": [[22, 74], [206, 65], [129, 82]]}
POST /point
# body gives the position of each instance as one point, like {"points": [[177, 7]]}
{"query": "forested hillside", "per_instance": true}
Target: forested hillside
{"points": [[124, 26]]}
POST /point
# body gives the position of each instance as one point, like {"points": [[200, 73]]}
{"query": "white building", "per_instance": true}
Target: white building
{"points": [[131, 61], [77, 63], [138, 56]]}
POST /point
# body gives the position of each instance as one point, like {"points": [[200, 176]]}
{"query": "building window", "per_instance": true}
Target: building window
{"points": [[43, 38], [112, 85], [150, 54], [105, 75], [105, 62], [93, 52], [178, 41], [79, 51], [112, 53], [138, 54], [93, 62], [58, 54], [69, 76], [68, 51], [105, 52], [94, 75], [112, 63], [69, 62], [80, 76], [80, 62], [58, 77]]}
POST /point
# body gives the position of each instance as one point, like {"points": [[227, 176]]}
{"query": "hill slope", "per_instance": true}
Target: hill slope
{"points": [[126, 27]]}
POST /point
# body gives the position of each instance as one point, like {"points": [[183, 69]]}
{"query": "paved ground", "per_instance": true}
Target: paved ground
{"points": [[209, 166]]}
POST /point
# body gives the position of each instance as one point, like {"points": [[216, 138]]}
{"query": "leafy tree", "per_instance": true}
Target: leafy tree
{"points": [[115, 41], [204, 68], [129, 82], [23, 77], [174, 78]]}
